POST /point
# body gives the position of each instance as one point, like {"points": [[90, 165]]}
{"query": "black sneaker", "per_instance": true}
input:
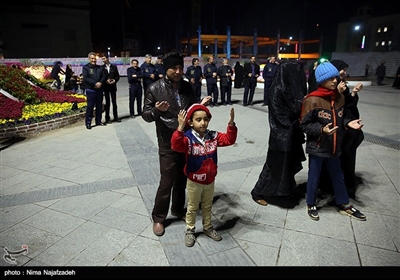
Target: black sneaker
{"points": [[349, 210], [312, 212]]}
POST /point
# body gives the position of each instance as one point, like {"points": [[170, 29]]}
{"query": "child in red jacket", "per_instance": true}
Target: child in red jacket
{"points": [[200, 146]]}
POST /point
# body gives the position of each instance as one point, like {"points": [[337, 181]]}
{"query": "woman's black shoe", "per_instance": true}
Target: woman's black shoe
{"points": [[88, 126]]}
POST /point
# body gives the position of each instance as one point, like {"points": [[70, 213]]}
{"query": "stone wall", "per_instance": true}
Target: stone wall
{"points": [[37, 128]]}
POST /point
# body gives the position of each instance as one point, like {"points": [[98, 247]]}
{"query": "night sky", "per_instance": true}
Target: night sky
{"points": [[160, 23]]}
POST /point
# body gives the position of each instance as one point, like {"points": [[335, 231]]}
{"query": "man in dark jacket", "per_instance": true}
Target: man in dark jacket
{"points": [[149, 72], [225, 82], [194, 74], [268, 75], [110, 88], [159, 67], [94, 79], [251, 73], [163, 101], [210, 73], [134, 74]]}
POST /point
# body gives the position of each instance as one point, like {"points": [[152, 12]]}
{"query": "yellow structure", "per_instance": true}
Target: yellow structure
{"points": [[247, 41]]}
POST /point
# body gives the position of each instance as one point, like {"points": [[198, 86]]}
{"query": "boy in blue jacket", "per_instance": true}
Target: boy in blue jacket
{"points": [[324, 121], [200, 147]]}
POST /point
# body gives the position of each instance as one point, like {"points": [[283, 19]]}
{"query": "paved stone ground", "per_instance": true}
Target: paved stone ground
{"points": [[81, 199]]}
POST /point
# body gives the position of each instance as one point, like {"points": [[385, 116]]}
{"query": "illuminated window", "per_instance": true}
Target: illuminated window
{"points": [[383, 43], [385, 29], [376, 43], [389, 43], [379, 30]]}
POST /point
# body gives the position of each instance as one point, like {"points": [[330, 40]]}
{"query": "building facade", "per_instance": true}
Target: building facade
{"points": [[45, 29], [365, 33]]}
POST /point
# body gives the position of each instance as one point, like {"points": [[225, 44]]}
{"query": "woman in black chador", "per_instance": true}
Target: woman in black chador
{"points": [[276, 183]]}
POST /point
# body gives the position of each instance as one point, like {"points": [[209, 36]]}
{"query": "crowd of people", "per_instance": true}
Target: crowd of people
{"points": [[319, 111]]}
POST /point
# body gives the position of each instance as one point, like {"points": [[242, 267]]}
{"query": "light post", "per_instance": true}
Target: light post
{"points": [[108, 51], [360, 37]]}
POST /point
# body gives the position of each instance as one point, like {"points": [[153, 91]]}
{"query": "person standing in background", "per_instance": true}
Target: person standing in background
{"points": [[238, 75], [55, 73], [366, 69], [251, 73], [194, 74], [134, 74], [94, 79], [148, 71], [225, 82], [110, 88], [68, 74], [380, 73], [210, 73], [159, 66], [268, 75], [396, 82], [312, 83]]}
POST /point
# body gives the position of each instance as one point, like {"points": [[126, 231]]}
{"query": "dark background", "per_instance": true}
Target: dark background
{"points": [[162, 23]]}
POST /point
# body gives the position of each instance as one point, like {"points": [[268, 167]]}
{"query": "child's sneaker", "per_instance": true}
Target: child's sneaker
{"points": [[312, 212], [213, 234], [349, 210], [189, 238]]}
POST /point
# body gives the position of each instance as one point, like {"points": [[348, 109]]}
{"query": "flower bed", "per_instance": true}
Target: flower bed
{"points": [[27, 104]]}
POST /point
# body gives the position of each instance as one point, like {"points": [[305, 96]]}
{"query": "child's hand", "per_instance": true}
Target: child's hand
{"points": [[232, 116], [355, 124], [182, 120], [328, 130]]}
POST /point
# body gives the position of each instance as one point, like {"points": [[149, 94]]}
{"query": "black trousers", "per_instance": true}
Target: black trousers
{"points": [[172, 183], [212, 90], [249, 90], [135, 93], [94, 99], [110, 94]]}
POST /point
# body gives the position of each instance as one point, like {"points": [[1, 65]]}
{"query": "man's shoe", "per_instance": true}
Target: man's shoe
{"points": [[251, 103], [109, 121], [117, 120], [132, 116], [349, 210], [189, 237], [216, 104], [101, 124], [312, 212], [88, 126], [158, 229], [213, 234]]}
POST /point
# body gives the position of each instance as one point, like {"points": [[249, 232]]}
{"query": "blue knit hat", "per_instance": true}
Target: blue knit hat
{"points": [[325, 71]]}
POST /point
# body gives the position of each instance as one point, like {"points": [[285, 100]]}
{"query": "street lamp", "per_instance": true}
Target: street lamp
{"points": [[108, 51]]}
